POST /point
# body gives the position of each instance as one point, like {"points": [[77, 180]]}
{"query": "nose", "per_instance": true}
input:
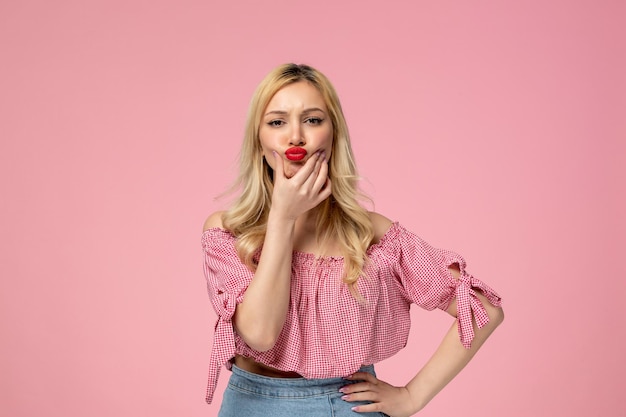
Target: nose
{"points": [[296, 137]]}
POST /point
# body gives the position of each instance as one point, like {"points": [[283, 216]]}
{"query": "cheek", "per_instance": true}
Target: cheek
{"points": [[268, 142], [269, 160], [330, 135], [329, 142], [263, 141], [266, 154]]}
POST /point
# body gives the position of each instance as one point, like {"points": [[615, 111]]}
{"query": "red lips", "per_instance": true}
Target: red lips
{"points": [[295, 154]]}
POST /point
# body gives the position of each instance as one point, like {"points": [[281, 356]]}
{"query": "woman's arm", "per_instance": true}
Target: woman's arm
{"points": [[260, 317], [447, 361], [451, 357]]}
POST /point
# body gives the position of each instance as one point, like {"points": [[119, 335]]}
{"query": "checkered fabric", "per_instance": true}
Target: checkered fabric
{"points": [[327, 332]]}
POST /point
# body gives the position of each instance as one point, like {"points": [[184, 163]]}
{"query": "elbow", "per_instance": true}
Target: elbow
{"points": [[257, 338], [495, 313], [258, 331], [496, 316], [260, 343]]}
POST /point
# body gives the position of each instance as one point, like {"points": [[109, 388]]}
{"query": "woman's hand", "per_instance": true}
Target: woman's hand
{"points": [[385, 398], [302, 192], [447, 361]]}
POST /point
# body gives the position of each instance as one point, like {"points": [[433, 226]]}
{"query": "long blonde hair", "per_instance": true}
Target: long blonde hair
{"points": [[340, 216]]}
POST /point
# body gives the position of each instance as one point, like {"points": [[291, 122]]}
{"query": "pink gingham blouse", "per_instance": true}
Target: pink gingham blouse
{"points": [[327, 332]]}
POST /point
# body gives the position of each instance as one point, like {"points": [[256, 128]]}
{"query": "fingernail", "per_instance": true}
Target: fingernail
{"points": [[345, 397], [342, 390]]}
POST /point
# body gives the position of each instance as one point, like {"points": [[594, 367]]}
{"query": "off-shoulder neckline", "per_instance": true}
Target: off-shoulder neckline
{"points": [[311, 256]]}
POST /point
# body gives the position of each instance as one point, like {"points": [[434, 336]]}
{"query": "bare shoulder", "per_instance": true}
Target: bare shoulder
{"points": [[381, 225], [214, 220]]}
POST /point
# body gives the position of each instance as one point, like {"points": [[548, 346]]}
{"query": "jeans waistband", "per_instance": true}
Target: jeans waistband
{"points": [[288, 387]]}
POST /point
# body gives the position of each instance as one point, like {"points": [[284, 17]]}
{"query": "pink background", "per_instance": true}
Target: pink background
{"points": [[494, 128]]}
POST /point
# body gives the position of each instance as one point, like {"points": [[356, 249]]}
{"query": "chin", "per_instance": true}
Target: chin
{"points": [[291, 170]]}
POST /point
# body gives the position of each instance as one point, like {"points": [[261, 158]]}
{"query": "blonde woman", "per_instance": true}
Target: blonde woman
{"points": [[311, 289]]}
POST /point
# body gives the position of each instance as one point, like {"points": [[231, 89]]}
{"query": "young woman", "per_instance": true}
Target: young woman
{"points": [[311, 289]]}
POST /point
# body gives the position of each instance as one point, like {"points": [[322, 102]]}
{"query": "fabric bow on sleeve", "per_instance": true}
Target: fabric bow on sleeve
{"points": [[469, 305]]}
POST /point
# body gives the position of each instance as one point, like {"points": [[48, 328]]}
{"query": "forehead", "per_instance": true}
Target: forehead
{"points": [[300, 94]]}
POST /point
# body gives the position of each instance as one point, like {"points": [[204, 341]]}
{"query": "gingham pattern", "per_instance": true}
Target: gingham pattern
{"points": [[327, 333]]}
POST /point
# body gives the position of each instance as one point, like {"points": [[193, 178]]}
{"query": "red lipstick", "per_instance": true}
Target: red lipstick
{"points": [[295, 154]]}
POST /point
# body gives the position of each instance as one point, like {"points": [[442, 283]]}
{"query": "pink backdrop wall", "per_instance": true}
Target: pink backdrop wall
{"points": [[495, 128]]}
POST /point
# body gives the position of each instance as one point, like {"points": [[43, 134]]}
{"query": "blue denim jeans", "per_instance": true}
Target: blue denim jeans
{"points": [[252, 395]]}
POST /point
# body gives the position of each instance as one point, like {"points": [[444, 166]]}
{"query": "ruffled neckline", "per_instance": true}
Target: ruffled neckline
{"points": [[309, 257]]}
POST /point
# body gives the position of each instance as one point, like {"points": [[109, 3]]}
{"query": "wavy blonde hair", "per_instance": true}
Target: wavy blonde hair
{"points": [[339, 217]]}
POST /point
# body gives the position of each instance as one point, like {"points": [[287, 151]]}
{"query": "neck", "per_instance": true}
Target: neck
{"points": [[307, 220], [305, 238]]}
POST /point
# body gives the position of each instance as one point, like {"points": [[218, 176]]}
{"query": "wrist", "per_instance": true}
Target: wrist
{"points": [[280, 222], [418, 397]]}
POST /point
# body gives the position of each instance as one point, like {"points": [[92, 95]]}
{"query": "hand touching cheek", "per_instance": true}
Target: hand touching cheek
{"points": [[304, 190]]}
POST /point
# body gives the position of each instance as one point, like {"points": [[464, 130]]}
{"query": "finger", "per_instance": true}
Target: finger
{"points": [[363, 376], [368, 408], [279, 172], [362, 396], [319, 163], [359, 387], [369, 383], [311, 182], [323, 194], [326, 190], [305, 172], [321, 178]]}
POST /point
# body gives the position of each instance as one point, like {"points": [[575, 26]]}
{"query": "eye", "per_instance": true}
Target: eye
{"points": [[275, 123], [314, 120]]}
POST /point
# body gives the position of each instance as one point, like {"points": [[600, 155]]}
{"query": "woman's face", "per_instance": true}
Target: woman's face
{"points": [[295, 124]]}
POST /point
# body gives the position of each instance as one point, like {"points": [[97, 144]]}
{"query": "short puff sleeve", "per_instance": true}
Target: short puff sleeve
{"points": [[227, 280], [423, 273]]}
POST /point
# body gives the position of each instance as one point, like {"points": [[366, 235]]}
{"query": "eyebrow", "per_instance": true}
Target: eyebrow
{"points": [[306, 111]]}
